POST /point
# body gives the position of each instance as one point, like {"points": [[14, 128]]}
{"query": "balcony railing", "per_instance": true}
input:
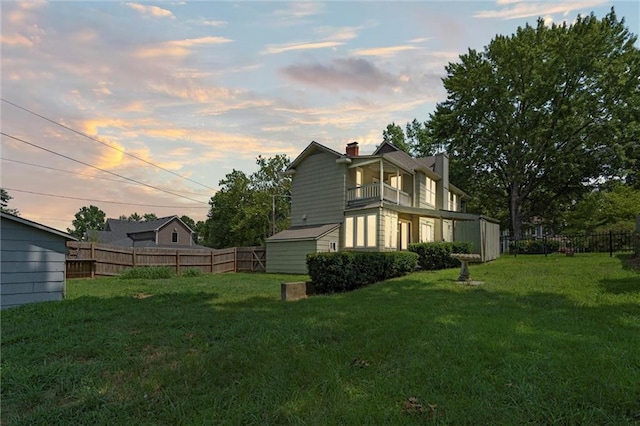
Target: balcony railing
{"points": [[371, 192]]}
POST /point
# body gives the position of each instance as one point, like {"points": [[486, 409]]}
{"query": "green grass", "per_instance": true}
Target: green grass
{"points": [[546, 340]]}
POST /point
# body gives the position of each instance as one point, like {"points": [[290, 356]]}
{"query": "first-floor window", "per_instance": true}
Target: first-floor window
{"points": [[360, 231], [348, 232], [390, 231]]}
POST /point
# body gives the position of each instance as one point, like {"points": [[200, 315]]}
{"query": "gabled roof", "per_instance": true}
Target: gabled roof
{"points": [[310, 149], [130, 227], [302, 233], [118, 231], [403, 160], [27, 222]]}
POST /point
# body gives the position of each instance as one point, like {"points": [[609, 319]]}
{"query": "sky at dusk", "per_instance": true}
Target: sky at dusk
{"points": [[145, 106]]}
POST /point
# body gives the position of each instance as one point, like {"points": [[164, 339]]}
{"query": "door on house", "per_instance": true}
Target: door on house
{"points": [[404, 234]]}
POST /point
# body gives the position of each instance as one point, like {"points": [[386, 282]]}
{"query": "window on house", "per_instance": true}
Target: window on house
{"points": [[453, 201], [348, 232], [431, 192], [426, 231], [371, 230], [390, 231], [360, 231], [174, 237], [396, 181]]}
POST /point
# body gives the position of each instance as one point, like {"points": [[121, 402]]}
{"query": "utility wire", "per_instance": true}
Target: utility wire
{"points": [[101, 201], [81, 174], [98, 168], [103, 143]]}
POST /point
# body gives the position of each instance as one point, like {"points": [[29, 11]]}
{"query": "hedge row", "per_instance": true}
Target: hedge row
{"points": [[534, 246], [433, 256], [346, 271]]}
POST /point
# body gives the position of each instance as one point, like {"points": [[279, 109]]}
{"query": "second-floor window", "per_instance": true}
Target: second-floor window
{"points": [[174, 237], [453, 202], [431, 192]]}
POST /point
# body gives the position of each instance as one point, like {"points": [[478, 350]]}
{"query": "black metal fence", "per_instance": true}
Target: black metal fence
{"points": [[603, 242]]}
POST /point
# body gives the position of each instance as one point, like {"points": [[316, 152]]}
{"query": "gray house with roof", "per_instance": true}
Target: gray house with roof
{"points": [[165, 232], [378, 202]]}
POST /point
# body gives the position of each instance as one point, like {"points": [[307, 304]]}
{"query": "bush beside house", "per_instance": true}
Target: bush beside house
{"points": [[433, 256], [345, 271]]}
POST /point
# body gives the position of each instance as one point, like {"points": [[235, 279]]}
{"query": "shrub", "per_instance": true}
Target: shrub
{"points": [[534, 246], [346, 271], [191, 272], [147, 272], [433, 256]]}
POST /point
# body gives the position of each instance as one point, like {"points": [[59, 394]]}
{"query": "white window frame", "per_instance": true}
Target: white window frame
{"points": [[431, 191]]}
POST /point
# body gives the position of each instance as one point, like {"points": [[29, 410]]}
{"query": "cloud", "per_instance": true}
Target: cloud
{"points": [[154, 11], [15, 40], [300, 10], [384, 51], [301, 46], [214, 23], [337, 37], [516, 9], [350, 74], [179, 47]]}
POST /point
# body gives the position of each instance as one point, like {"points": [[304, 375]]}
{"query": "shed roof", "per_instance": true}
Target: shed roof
{"points": [[27, 222], [302, 233]]}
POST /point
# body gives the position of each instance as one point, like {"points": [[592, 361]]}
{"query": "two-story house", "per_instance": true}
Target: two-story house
{"points": [[379, 202]]}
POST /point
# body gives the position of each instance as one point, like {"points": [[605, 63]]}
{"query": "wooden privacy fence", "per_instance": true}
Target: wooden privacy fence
{"points": [[89, 260]]}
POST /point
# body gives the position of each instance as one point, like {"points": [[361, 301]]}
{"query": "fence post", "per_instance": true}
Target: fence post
{"points": [[235, 259], [94, 260], [544, 245], [177, 262], [610, 243], [212, 261]]}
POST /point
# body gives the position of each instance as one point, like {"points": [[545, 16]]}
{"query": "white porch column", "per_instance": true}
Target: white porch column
{"points": [[381, 182]]}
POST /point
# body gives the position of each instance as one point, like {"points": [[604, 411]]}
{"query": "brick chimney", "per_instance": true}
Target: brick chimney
{"points": [[352, 149]]}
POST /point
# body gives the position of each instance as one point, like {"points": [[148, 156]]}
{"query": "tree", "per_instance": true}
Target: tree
{"points": [[613, 206], [148, 217], [394, 134], [4, 203], [135, 217], [415, 140], [87, 219], [242, 211], [537, 117]]}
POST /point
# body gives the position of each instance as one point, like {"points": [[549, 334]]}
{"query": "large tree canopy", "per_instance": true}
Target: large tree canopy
{"points": [[248, 209], [539, 116]]}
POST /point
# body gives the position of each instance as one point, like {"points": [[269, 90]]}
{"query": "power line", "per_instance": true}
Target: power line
{"points": [[79, 174], [103, 143], [101, 201], [102, 170]]}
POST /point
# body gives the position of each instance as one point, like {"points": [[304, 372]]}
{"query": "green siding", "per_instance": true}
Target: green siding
{"points": [[289, 257], [318, 191]]}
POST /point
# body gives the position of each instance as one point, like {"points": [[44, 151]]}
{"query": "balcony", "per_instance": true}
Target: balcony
{"points": [[371, 192]]}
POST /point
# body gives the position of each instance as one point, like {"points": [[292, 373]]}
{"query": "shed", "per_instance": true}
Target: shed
{"points": [[287, 250], [32, 261], [483, 234]]}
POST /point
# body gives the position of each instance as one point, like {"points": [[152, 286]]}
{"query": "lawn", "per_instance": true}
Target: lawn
{"points": [[545, 340]]}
